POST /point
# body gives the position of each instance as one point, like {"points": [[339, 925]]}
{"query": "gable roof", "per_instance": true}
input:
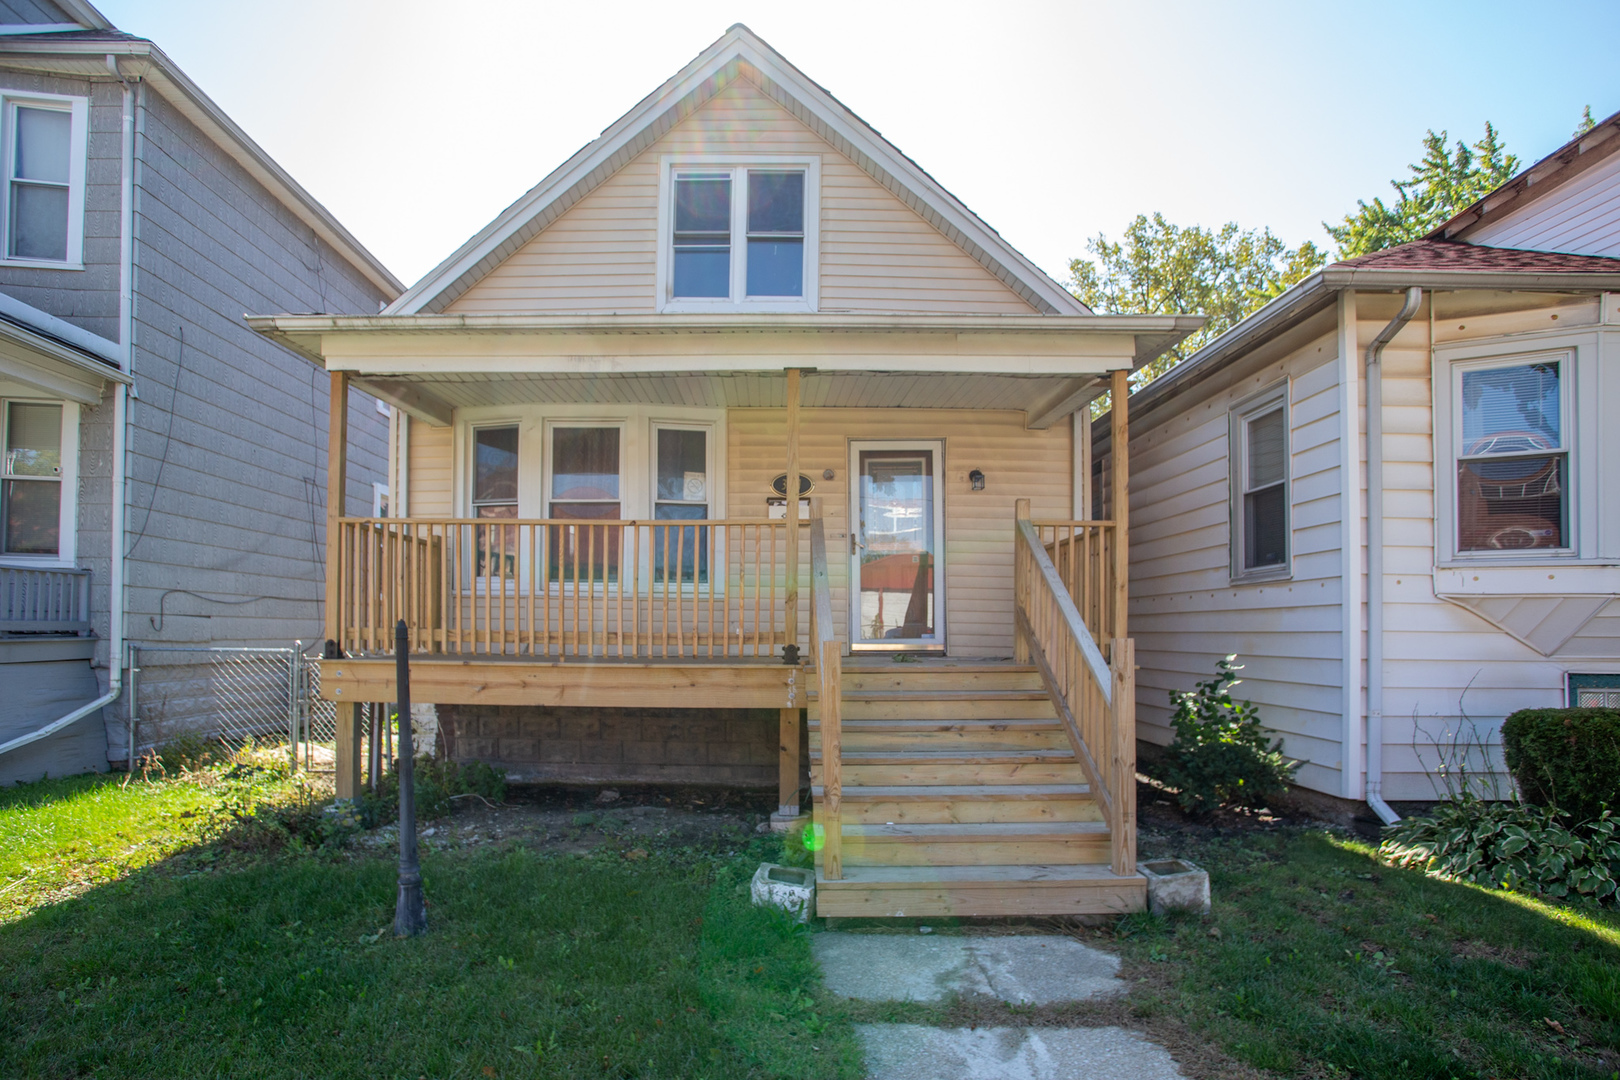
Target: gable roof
{"points": [[1553, 171], [738, 54]]}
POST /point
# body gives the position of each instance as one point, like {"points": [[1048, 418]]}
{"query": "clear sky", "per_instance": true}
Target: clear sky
{"points": [[417, 122]]}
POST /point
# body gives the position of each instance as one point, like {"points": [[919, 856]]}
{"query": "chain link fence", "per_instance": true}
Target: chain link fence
{"points": [[270, 696]]}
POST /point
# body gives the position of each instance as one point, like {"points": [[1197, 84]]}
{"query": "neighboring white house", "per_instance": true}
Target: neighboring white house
{"points": [[1485, 579]]}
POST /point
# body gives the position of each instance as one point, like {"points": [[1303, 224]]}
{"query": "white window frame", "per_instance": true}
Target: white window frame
{"points": [[67, 521], [739, 165], [78, 150], [638, 449], [380, 500], [1580, 418], [1277, 396]]}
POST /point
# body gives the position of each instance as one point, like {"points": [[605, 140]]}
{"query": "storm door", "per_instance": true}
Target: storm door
{"points": [[896, 528]]}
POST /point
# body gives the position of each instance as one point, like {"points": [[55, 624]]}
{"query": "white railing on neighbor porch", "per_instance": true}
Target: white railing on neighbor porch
{"points": [[44, 601]]}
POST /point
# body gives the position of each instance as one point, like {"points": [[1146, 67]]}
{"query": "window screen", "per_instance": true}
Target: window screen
{"points": [[775, 233], [40, 159], [31, 479], [682, 494], [1265, 496], [1512, 463]]}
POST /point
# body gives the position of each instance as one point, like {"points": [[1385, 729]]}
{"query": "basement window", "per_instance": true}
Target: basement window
{"points": [[1594, 691], [739, 236]]}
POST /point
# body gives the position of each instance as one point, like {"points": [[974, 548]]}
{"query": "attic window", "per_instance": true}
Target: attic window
{"points": [[739, 235]]}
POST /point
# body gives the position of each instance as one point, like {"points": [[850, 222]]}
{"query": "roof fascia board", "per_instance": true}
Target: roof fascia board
{"points": [[1550, 173], [18, 29], [707, 323], [173, 83], [1311, 295], [879, 156], [45, 352]]}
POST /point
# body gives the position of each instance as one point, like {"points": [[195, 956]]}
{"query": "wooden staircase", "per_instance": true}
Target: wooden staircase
{"points": [[962, 796]]}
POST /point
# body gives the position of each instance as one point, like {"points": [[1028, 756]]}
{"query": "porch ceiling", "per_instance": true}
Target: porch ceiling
{"points": [[1045, 398]]}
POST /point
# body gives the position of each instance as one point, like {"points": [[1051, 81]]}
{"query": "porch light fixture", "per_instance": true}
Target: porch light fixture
{"points": [[976, 478]]}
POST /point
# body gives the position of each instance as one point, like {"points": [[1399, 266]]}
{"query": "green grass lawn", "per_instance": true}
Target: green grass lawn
{"points": [[153, 934], [253, 965]]}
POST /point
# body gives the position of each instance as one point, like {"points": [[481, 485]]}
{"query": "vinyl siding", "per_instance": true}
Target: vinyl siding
{"points": [[429, 475], [876, 253], [1018, 463], [1580, 216], [32, 11], [1185, 611]]}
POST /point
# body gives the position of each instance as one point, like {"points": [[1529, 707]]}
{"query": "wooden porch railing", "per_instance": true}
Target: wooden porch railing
{"points": [[829, 700], [1062, 573], [44, 601], [561, 589]]}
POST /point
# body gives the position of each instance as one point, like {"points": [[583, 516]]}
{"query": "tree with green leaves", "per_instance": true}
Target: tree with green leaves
{"points": [[1445, 181], [1161, 269]]}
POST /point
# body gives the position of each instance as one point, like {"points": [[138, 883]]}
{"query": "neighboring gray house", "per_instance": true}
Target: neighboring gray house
{"points": [[164, 466]]}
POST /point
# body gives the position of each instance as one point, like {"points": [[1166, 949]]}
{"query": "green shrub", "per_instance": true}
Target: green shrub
{"points": [[438, 784], [1511, 845], [1566, 759], [1221, 754]]}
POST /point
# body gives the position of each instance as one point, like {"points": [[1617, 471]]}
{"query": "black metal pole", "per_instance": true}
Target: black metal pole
{"points": [[410, 913]]}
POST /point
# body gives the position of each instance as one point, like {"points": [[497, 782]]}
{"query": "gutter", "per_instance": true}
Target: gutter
{"points": [[1375, 555]]}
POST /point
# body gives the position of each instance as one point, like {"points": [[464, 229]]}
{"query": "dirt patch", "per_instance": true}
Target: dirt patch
{"points": [[580, 820], [1500, 954]]}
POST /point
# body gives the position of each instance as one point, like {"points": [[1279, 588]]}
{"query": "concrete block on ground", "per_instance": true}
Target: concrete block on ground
{"points": [[914, 1052], [1028, 970], [1175, 885], [791, 888]]}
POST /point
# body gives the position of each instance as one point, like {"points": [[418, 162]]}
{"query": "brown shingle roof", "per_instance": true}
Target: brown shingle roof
{"points": [[1456, 256]]}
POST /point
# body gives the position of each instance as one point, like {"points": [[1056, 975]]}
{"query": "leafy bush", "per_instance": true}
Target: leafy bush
{"points": [[1511, 845], [1221, 753], [438, 784], [1566, 759]]}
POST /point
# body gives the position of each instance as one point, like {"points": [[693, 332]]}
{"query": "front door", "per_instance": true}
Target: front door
{"points": [[896, 527]]}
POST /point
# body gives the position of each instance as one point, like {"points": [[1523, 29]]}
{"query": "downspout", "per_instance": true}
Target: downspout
{"points": [[1375, 556], [115, 572]]}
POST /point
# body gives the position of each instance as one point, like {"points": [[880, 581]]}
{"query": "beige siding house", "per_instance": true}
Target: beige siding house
{"points": [[1386, 633], [601, 398]]}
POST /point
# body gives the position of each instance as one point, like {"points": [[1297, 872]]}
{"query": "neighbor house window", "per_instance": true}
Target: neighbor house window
{"points": [[45, 168], [1259, 439], [31, 488], [681, 493], [495, 495], [586, 484], [741, 236], [1512, 452]]}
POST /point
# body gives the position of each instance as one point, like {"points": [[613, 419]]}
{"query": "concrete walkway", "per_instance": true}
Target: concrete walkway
{"points": [[1025, 970]]}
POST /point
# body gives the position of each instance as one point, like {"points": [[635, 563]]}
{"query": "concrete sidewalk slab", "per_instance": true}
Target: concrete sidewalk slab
{"points": [[913, 1052], [1025, 970]]}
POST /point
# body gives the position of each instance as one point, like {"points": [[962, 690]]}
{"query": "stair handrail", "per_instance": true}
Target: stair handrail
{"points": [[829, 690], [1087, 692]]}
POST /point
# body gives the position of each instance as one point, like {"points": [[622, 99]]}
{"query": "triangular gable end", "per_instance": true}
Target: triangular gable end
{"points": [[737, 55]]}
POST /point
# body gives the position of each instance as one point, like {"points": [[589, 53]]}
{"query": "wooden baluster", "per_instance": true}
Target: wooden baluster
{"points": [[832, 774], [708, 543], [635, 597], [661, 549], [1124, 757]]}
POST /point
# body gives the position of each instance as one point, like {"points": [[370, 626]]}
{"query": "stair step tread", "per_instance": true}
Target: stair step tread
{"points": [[985, 792], [937, 695], [974, 724], [947, 757], [867, 876], [974, 832]]}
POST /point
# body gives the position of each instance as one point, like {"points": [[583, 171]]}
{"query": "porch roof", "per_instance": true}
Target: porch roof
{"points": [[429, 365]]}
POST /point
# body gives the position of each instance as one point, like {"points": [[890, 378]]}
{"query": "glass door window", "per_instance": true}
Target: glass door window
{"points": [[895, 533], [681, 493], [587, 485]]}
